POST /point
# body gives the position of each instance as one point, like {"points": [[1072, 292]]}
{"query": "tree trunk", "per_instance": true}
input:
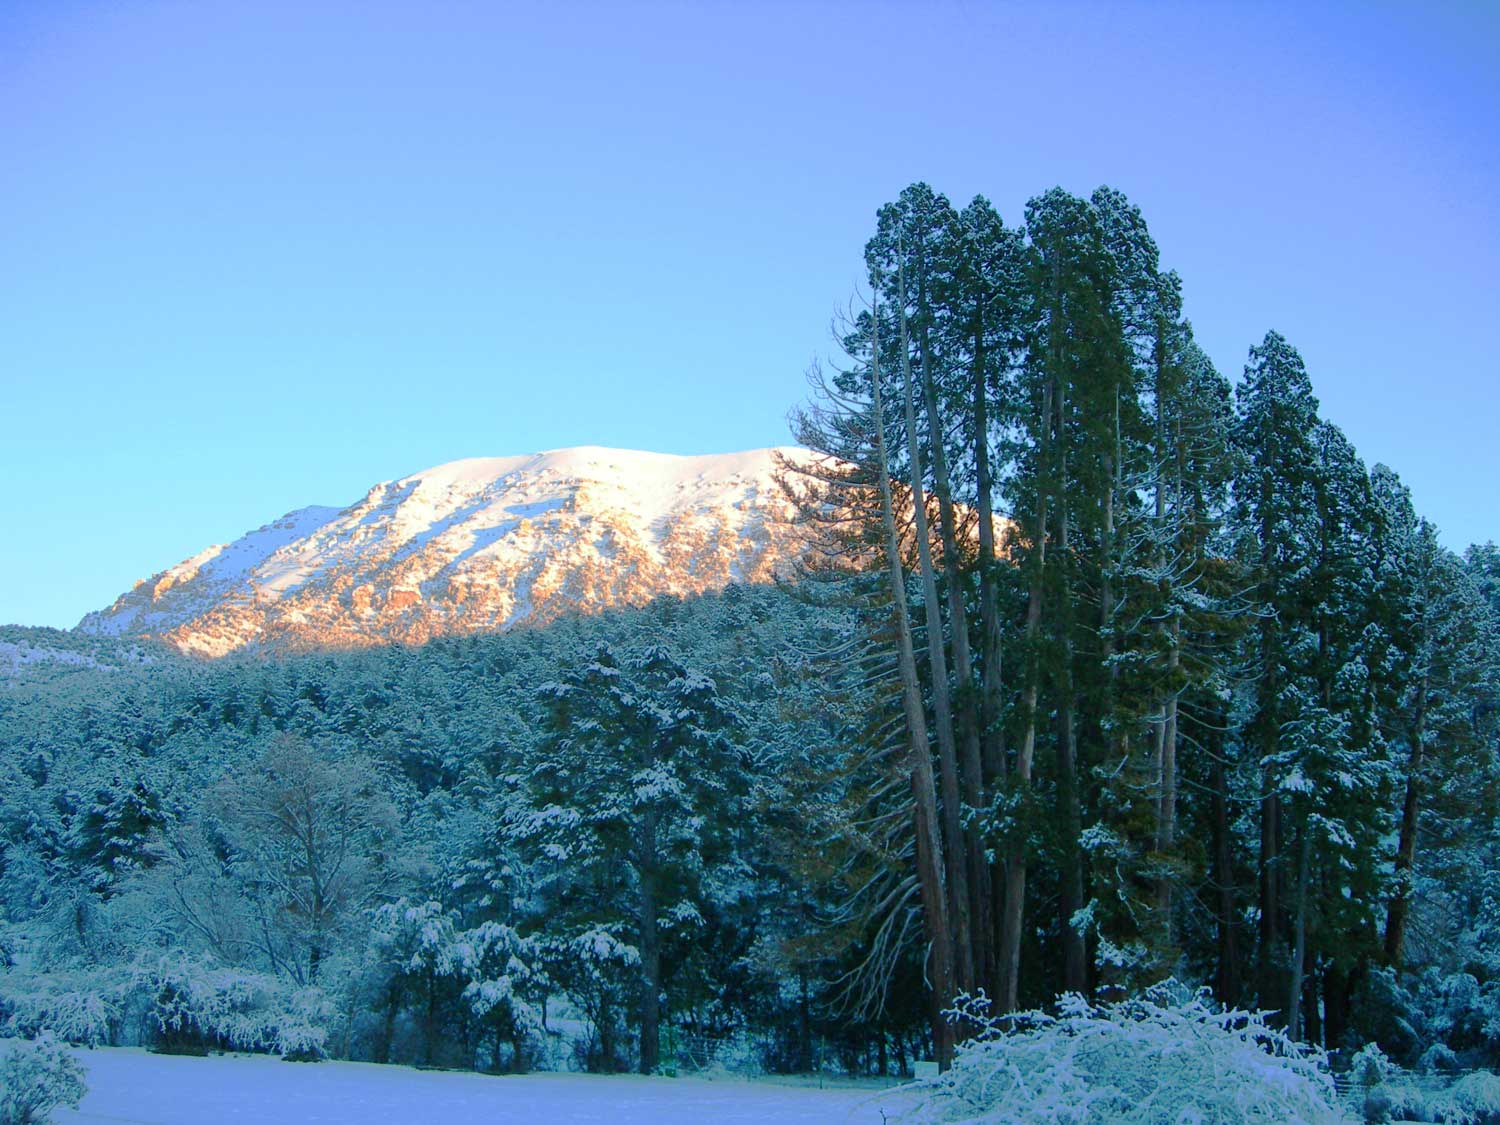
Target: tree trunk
{"points": [[1299, 950], [1166, 805], [388, 1026], [942, 706], [991, 690], [1166, 820], [606, 1026], [804, 1026], [1015, 863], [1268, 691], [1228, 976], [930, 867], [1070, 876], [1406, 848], [650, 956], [966, 701], [1070, 881], [1338, 992], [429, 1022], [1270, 898]]}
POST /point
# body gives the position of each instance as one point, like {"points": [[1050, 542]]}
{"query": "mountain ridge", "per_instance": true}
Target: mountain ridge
{"points": [[470, 545]]}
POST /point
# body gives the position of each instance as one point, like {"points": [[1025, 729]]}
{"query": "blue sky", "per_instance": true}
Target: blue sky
{"points": [[258, 256]]}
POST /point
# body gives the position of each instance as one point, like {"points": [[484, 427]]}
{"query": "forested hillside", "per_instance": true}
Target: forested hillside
{"points": [[402, 853], [1157, 680]]}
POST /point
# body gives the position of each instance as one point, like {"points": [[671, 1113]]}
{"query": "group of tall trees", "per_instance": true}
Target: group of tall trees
{"points": [[1185, 689]]}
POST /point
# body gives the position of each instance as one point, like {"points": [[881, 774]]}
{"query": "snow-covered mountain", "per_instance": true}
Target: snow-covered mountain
{"points": [[479, 544]]}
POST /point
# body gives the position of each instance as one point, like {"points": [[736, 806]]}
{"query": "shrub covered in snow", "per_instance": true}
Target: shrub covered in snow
{"points": [[78, 1006], [598, 972], [1477, 1096], [1473, 1100], [197, 1004], [1385, 1092], [490, 971], [174, 1001], [1166, 1058], [1432, 1020], [37, 1077]]}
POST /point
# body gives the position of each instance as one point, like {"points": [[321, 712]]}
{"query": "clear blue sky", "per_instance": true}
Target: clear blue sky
{"points": [[255, 256]]}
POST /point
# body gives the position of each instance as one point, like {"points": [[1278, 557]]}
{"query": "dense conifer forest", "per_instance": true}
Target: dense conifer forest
{"points": [[1154, 680]]}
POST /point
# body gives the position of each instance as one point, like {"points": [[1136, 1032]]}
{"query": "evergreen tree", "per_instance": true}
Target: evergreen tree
{"points": [[640, 767]]}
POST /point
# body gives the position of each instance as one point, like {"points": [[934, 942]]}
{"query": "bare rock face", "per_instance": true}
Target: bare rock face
{"points": [[480, 544]]}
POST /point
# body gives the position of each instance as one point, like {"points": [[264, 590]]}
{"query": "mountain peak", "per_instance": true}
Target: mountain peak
{"points": [[471, 545]]}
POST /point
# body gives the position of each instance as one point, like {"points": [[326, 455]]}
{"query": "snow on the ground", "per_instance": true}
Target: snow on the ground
{"points": [[135, 1087]]}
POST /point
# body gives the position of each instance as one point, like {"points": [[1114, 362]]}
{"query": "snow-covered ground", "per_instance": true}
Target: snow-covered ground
{"points": [[133, 1086]]}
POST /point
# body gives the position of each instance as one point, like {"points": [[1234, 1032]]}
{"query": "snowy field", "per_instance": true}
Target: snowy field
{"points": [[133, 1086]]}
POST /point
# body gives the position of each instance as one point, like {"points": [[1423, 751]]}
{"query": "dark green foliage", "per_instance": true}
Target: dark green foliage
{"points": [[1238, 705]]}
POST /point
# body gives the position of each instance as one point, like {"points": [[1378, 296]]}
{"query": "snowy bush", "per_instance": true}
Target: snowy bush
{"points": [[37, 1077], [1438, 1058], [1369, 1066], [1162, 1058], [504, 987], [489, 972], [303, 1018], [1401, 1096], [197, 1004], [1431, 1019], [1478, 1096], [598, 972], [78, 1007]]}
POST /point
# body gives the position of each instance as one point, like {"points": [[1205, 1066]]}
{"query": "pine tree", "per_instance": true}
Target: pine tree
{"points": [[1275, 502], [639, 765]]}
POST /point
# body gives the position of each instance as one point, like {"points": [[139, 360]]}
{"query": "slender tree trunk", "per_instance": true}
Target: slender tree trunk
{"points": [[1070, 888], [1406, 848], [1228, 977], [1070, 877], [930, 867], [991, 669], [1299, 950], [388, 1026], [606, 1026], [1015, 863], [650, 952], [804, 1026], [429, 1022], [1270, 897], [1166, 806], [1166, 820], [1338, 991], [942, 705], [1112, 732], [1270, 809], [966, 699]]}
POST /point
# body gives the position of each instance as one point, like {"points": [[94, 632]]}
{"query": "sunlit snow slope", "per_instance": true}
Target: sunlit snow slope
{"points": [[478, 544]]}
